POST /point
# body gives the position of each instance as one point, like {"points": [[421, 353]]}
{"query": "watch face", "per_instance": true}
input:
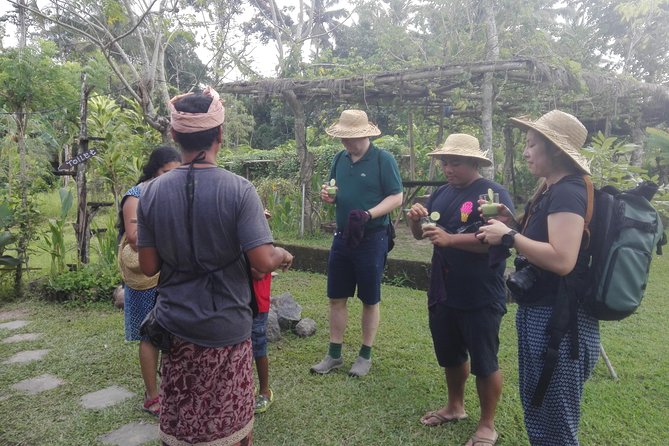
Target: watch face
{"points": [[507, 240]]}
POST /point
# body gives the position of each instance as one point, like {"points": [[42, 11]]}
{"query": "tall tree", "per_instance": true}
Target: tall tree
{"points": [[136, 37], [31, 84], [487, 93]]}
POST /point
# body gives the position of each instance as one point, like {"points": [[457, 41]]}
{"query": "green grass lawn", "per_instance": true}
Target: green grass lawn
{"points": [[89, 353]]}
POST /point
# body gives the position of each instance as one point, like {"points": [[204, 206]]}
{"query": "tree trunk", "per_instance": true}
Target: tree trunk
{"points": [[638, 138], [487, 88], [412, 151], [81, 227], [509, 157], [306, 159], [21, 119]]}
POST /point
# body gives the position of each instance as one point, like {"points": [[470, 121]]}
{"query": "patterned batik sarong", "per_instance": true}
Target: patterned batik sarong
{"points": [[556, 422], [206, 394]]}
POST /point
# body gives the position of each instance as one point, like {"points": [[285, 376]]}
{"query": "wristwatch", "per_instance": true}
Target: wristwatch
{"points": [[509, 238]]}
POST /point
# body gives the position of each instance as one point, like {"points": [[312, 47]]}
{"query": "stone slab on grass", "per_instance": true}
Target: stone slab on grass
{"points": [[13, 325], [105, 397], [26, 356], [132, 434], [22, 338], [39, 384], [13, 314]]}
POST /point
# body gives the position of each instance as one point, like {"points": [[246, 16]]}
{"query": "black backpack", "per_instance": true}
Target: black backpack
{"points": [[622, 230]]}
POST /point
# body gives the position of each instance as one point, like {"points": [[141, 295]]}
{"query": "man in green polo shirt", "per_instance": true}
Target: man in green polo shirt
{"points": [[366, 189]]}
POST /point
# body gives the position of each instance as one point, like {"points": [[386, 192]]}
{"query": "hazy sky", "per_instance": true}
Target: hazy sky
{"points": [[264, 57]]}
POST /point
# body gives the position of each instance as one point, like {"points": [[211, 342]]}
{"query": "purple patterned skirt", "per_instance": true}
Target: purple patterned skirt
{"points": [[206, 394]]}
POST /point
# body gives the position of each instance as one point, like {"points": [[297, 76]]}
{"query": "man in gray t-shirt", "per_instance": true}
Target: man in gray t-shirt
{"points": [[212, 267], [194, 225]]}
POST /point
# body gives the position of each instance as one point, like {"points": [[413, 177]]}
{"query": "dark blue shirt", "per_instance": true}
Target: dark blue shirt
{"points": [[567, 195], [464, 279]]}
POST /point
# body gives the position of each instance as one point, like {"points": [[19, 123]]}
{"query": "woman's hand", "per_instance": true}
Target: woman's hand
{"points": [[504, 214], [492, 232]]}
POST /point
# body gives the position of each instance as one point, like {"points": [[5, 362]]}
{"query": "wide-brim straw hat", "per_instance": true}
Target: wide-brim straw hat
{"points": [[461, 144], [128, 262], [353, 124], [563, 130]]}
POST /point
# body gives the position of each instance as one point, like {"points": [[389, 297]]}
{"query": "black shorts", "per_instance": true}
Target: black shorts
{"points": [[459, 334]]}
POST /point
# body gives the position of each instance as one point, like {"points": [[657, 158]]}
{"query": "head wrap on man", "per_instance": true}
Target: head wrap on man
{"points": [[184, 122]]}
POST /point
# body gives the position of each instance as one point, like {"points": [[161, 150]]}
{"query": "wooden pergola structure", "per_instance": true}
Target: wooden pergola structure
{"points": [[592, 96], [604, 102]]}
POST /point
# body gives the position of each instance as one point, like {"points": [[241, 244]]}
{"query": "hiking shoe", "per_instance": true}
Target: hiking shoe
{"points": [[263, 402], [327, 365], [360, 367]]}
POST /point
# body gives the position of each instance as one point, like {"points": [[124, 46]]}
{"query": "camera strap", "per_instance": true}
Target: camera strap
{"points": [[564, 319], [533, 207]]}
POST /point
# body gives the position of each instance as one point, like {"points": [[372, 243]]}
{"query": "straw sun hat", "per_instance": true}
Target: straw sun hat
{"points": [[353, 124], [563, 130], [460, 144], [128, 262]]}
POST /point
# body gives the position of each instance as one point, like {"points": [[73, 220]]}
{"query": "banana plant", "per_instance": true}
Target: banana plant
{"points": [[55, 237], [6, 238]]}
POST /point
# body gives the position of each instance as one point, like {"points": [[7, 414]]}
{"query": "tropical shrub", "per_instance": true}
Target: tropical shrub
{"points": [[91, 283], [6, 238], [54, 238], [106, 236], [610, 162]]}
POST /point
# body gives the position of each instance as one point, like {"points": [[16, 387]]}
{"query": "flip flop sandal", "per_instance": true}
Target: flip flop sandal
{"points": [[263, 402], [152, 406], [480, 441], [440, 419]]}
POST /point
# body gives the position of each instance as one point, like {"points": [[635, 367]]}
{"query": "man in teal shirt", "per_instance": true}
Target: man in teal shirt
{"points": [[367, 188]]}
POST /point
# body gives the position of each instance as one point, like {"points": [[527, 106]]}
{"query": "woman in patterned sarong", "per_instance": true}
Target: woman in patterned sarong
{"points": [[552, 270]]}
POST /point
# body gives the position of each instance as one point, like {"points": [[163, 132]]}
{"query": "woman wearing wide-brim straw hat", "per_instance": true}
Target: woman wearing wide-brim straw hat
{"points": [[550, 262]]}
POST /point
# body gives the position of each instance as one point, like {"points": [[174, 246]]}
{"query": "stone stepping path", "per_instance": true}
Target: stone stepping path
{"points": [[13, 314], [26, 357], [39, 384], [131, 434], [13, 325], [105, 397], [21, 338]]}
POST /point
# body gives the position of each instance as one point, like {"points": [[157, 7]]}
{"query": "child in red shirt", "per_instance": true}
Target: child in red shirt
{"points": [[261, 286]]}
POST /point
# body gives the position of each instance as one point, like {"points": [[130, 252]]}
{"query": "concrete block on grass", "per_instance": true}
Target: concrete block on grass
{"points": [[38, 384], [26, 356], [106, 397], [13, 325], [131, 434]]}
